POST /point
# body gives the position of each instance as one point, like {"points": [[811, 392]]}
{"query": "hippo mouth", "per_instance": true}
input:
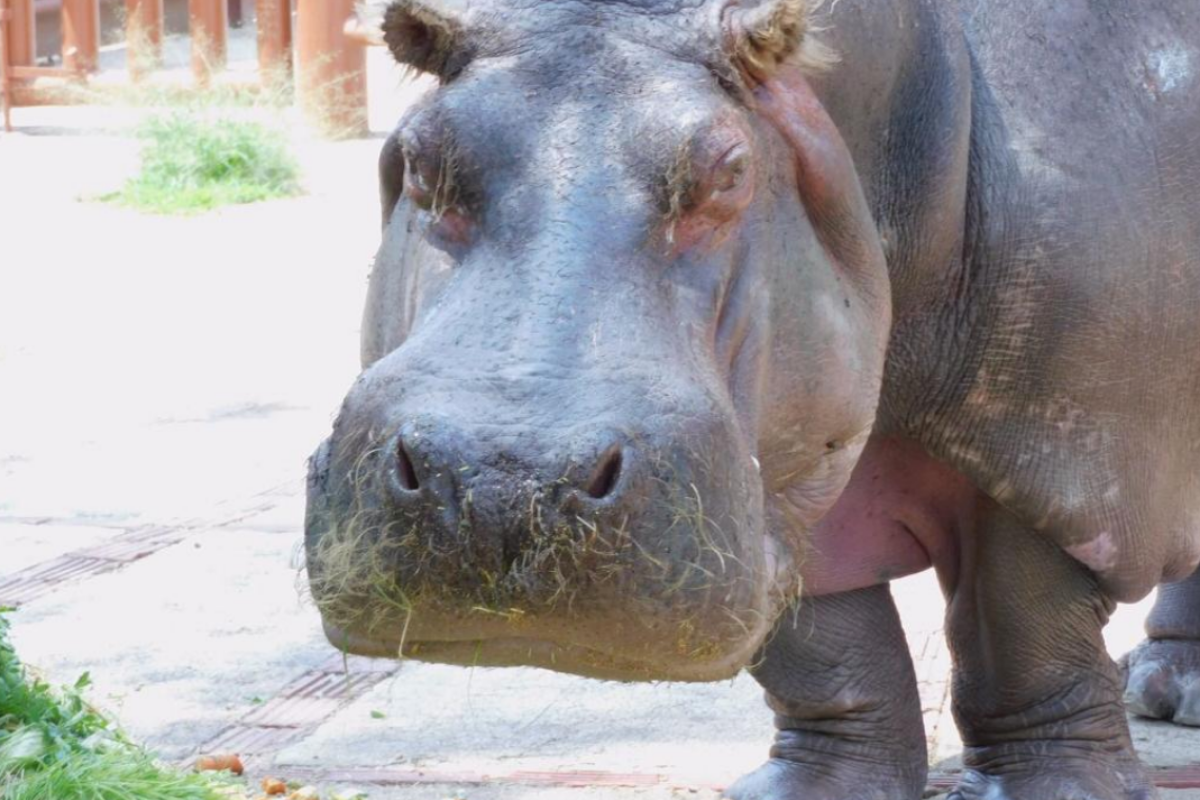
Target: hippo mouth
{"points": [[518, 650], [613, 637]]}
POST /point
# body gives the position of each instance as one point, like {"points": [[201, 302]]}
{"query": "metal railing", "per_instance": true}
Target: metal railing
{"points": [[330, 61]]}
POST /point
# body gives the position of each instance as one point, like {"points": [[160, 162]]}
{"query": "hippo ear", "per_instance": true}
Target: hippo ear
{"points": [[826, 177], [425, 38], [762, 36]]}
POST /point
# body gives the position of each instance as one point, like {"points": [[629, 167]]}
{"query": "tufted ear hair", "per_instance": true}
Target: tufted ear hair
{"points": [[423, 35], [761, 36]]}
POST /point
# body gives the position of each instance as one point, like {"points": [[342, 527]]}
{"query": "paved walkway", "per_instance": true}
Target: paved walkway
{"points": [[172, 375]]}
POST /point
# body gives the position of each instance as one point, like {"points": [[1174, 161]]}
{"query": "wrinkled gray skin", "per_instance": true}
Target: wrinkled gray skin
{"points": [[607, 432]]}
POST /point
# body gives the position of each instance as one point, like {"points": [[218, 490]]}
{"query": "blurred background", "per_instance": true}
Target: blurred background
{"points": [[188, 213]]}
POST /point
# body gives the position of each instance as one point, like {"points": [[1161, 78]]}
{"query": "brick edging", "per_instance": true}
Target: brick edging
{"points": [[299, 708], [1163, 778], [38, 580], [26, 585]]}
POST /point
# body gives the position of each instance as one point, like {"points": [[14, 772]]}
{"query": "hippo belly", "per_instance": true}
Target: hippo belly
{"points": [[900, 514]]}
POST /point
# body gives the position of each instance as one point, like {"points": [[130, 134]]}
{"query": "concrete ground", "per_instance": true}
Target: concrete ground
{"points": [[164, 380]]}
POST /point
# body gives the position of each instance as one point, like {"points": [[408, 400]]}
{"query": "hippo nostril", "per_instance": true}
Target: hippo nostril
{"points": [[405, 469], [607, 473]]}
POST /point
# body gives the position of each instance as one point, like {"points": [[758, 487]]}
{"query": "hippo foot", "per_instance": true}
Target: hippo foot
{"points": [[1164, 681], [1066, 778], [779, 779]]}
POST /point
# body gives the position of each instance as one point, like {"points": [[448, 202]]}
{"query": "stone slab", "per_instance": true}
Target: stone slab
{"points": [[184, 643], [285, 514], [1162, 744]]}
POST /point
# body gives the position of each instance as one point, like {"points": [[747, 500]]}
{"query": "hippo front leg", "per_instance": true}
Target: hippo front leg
{"points": [[1164, 671], [838, 674], [1036, 697]]}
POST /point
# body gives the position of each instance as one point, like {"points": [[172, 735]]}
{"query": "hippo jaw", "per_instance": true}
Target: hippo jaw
{"points": [[519, 651], [622, 348]]}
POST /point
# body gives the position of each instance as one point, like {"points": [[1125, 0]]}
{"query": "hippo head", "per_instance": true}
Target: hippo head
{"points": [[623, 343]]}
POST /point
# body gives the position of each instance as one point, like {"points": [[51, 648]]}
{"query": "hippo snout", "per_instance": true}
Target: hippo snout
{"points": [[501, 507], [580, 547], [433, 464]]}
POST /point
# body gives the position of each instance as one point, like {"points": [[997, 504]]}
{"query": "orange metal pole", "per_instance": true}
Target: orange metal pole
{"points": [[22, 46], [274, 40], [332, 79], [5, 86], [209, 26], [81, 35], [144, 34]]}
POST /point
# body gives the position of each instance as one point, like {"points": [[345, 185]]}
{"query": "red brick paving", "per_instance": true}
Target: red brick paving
{"points": [[39, 580], [1171, 778], [299, 707]]}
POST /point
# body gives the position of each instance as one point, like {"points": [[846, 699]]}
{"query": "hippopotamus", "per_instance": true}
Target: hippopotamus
{"points": [[697, 322]]}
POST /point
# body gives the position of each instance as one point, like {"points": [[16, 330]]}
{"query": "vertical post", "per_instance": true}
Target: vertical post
{"points": [[144, 34], [208, 24], [5, 87], [274, 41], [236, 18], [22, 45], [81, 35], [332, 79]]}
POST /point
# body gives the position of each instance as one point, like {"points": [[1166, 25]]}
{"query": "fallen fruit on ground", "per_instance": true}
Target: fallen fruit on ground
{"points": [[225, 762], [273, 786]]}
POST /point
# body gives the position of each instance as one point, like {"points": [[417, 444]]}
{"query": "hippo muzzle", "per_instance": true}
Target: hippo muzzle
{"points": [[442, 532]]}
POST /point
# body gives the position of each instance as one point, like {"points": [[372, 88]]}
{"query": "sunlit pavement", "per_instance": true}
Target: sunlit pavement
{"points": [[163, 381]]}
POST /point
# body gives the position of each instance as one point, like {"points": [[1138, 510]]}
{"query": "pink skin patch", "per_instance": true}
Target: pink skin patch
{"points": [[1099, 555], [899, 515]]}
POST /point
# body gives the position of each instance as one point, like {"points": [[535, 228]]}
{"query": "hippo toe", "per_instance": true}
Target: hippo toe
{"points": [[1164, 681]]}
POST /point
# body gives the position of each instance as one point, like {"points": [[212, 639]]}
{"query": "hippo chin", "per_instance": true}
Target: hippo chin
{"points": [[696, 322]]}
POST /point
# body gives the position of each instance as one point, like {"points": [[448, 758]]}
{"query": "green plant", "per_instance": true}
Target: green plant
{"points": [[54, 746], [197, 158]]}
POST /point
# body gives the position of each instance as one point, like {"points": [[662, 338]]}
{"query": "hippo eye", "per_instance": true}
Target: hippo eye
{"points": [[719, 190], [419, 184], [429, 182], [731, 170]]}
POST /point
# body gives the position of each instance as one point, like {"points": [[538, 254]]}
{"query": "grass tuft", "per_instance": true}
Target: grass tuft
{"points": [[54, 746], [195, 160]]}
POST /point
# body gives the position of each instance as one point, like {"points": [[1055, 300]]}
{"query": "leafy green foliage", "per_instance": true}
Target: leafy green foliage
{"points": [[54, 746], [196, 160], [35, 726]]}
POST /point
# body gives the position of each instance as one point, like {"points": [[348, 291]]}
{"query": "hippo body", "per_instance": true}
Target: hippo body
{"points": [[696, 323], [1008, 383]]}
